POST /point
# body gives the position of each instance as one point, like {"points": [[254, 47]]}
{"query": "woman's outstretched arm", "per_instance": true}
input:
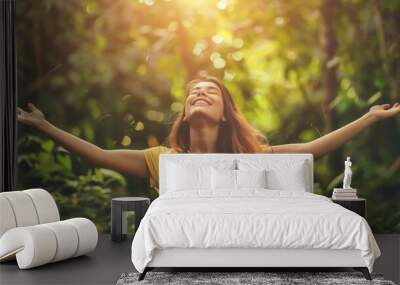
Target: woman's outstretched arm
{"points": [[127, 161], [333, 140]]}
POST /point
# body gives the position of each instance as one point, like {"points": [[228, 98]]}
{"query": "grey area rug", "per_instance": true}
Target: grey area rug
{"points": [[231, 278]]}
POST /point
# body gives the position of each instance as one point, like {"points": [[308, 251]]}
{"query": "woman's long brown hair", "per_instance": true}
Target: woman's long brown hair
{"points": [[235, 135]]}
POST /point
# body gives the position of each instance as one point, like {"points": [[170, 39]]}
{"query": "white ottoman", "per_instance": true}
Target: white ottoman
{"points": [[31, 230]]}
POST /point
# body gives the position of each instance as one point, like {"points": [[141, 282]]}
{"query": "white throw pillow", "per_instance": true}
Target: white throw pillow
{"points": [[181, 177], [229, 179], [293, 180], [251, 178], [223, 179]]}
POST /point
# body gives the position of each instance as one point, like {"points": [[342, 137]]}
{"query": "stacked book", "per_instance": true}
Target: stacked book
{"points": [[344, 194]]}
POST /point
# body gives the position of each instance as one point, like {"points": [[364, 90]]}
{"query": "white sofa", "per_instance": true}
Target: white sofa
{"points": [[31, 231]]}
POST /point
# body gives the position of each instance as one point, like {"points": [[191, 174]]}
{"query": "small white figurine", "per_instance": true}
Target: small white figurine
{"points": [[347, 174]]}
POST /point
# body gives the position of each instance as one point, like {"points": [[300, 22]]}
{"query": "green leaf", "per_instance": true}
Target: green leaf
{"points": [[48, 145], [115, 176], [65, 161], [371, 100]]}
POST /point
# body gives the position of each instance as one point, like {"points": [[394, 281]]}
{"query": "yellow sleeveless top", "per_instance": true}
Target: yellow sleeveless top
{"points": [[152, 156]]}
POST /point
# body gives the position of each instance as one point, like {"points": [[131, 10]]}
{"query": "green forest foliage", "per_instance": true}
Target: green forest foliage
{"points": [[113, 72]]}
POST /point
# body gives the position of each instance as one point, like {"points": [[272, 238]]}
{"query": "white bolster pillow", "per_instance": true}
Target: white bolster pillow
{"points": [[40, 244]]}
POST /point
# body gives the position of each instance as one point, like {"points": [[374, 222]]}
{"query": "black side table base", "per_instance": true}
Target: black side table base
{"points": [[120, 205]]}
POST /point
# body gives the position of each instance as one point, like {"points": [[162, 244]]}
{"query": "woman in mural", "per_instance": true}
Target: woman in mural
{"points": [[209, 123]]}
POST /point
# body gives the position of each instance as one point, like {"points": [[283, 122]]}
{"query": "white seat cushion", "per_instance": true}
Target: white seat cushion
{"points": [[32, 246], [87, 235], [40, 244], [66, 237]]}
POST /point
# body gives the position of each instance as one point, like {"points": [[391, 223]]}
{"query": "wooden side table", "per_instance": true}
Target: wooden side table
{"points": [[358, 205], [119, 207]]}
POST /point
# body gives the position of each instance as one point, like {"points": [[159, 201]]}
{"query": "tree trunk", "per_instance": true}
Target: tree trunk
{"points": [[328, 68], [328, 47]]}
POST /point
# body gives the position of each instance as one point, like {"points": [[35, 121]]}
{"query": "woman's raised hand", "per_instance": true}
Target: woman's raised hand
{"points": [[384, 111], [124, 160], [35, 118]]}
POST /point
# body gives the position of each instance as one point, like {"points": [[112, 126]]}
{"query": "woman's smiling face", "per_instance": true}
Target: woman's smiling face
{"points": [[204, 99]]}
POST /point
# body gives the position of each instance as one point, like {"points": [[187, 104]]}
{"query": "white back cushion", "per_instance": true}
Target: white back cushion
{"points": [[284, 166], [26, 208], [7, 218]]}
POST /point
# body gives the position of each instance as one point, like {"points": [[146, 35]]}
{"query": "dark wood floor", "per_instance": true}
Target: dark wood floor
{"points": [[102, 266], [110, 260]]}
